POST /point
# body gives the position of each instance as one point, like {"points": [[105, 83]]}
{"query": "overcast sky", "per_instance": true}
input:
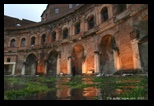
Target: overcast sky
{"points": [[27, 11]]}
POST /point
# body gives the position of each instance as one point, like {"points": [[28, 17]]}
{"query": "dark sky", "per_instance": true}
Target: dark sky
{"points": [[27, 11]]}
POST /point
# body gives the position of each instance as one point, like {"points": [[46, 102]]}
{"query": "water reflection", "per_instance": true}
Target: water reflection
{"points": [[64, 92]]}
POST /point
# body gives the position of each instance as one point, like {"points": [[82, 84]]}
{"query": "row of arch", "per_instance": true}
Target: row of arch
{"points": [[90, 21], [77, 60]]}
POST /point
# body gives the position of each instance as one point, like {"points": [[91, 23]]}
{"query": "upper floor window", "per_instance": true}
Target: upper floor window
{"points": [[23, 42], [77, 5], [8, 59], [53, 36], [77, 28], [56, 10], [90, 22], [122, 7], [33, 40], [104, 14], [43, 38], [70, 6], [65, 33], [12, 44]]}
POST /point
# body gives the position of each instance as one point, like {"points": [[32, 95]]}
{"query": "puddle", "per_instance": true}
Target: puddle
{"points": [[64, 92]]}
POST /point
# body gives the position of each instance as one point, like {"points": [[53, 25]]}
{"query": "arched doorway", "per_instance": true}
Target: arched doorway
{"points": [[52, 63], [31, 65], [77, 60], [107, 45]]}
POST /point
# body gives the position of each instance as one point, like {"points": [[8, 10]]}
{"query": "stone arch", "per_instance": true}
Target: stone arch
{"points": [[51, 63], [78, 58], [107, 47], [31, 64]]}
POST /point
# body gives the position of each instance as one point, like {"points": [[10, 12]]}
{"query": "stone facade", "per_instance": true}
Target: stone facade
{"points": [[98, 38]]}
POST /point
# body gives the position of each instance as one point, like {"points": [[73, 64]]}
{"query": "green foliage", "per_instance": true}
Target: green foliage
{"points": [[33, 86]]}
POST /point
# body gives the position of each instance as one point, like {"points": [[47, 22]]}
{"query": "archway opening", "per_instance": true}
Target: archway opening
{"points": [[52, 63], [106, 47], [143, 44], [31, 65], [77, 60]]}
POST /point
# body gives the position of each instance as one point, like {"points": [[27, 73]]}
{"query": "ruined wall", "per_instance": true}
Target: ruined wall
{"points": [[118, 26]]}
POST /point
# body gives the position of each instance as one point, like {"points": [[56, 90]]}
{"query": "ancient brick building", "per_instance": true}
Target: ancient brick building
{"points": [[98, 38]]}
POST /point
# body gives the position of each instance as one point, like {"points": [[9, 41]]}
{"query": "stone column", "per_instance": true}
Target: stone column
{"points": [[97, 62], [58, 65], [136, 57], [23, 69], [69, 65], [13, 69], [45, 67]]}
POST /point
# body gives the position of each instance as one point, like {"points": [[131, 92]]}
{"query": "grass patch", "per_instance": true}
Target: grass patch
{"points": [[33, 85]]}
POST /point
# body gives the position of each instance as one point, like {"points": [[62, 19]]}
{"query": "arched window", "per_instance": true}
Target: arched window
{"points": [[90, 22], [12, 44], [77, 28], [65, 33], [53, 36], [122, 7], [23, 42], [43, 38], [104, 14], [33, 40]]}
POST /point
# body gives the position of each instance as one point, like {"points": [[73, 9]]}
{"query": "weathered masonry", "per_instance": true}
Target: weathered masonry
{"points": [[91, 38]]}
